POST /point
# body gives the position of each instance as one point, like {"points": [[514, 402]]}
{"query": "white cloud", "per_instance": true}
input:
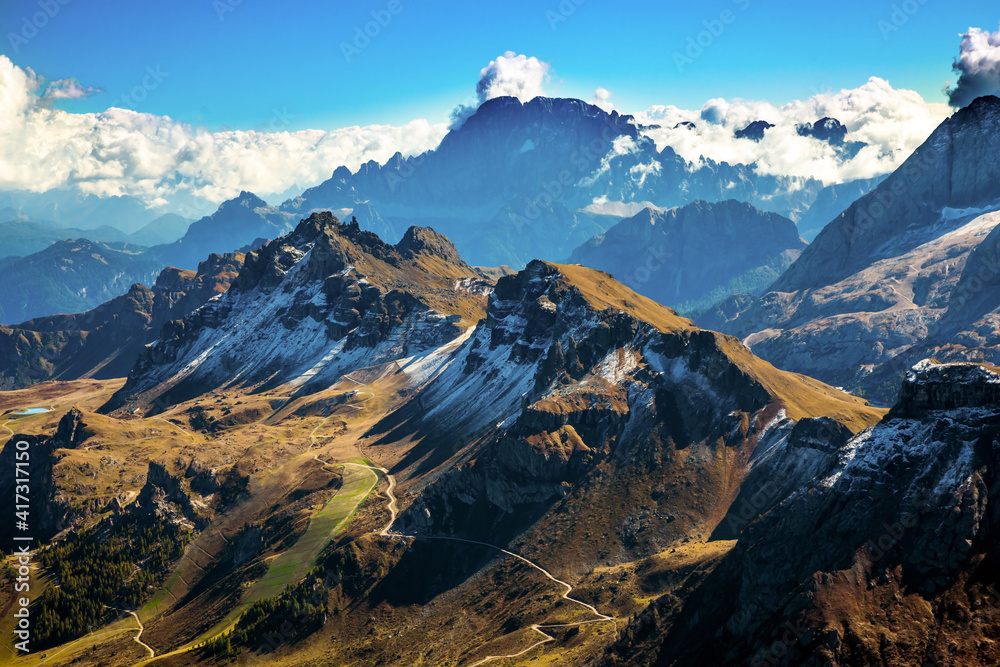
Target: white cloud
{"points": [[67, 89], [602, 99], [892, 122], [159, 160], [513, 75], [978, 67]]}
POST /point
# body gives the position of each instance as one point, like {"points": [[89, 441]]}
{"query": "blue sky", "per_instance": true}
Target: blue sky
{"points": [[262, 57]]}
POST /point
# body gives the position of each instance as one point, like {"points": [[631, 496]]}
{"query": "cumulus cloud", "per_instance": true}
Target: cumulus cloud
{"points": [[891, 122], [602, 99], [977, 66], [513, 75], [160, 160]]}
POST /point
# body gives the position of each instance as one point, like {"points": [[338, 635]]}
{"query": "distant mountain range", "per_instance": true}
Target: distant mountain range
{"points": [[106, 342], [71, 209], [19, 238], [70, 277], [693, 256], [518, 181]]}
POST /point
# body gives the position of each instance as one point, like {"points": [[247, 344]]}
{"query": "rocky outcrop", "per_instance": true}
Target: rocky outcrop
{"points": [[165, 495], [35, 456], [754, 131], [900, 535], [931, 386]]}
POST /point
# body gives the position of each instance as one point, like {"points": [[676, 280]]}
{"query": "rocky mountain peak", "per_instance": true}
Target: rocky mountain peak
{"points": [[827, 129], [326, 285], [246, 199], [930, 386], [424, 240], [71, 430], [754, 131]]}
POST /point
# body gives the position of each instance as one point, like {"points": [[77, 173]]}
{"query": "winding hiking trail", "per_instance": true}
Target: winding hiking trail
{"points": [[536, 627], [138, 638], [388, 532], [6, 428]]}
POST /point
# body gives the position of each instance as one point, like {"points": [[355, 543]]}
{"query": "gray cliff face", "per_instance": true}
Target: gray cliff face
{"points": [[694, 256], [955, 167]]}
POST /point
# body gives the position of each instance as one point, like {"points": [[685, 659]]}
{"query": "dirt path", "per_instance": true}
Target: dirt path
{"points": [[138, 638], [539, 628], [179, 428]]}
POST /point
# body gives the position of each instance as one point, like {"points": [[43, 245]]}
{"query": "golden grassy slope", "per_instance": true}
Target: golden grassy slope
{"points": [[603, 292]]}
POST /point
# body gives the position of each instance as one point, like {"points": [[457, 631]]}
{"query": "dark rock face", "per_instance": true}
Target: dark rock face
{"points": [[830, 130], [833, 132], [904, 521], [930, 386], [48, 509], [754, 131], [694, 256], [165, 495]]}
